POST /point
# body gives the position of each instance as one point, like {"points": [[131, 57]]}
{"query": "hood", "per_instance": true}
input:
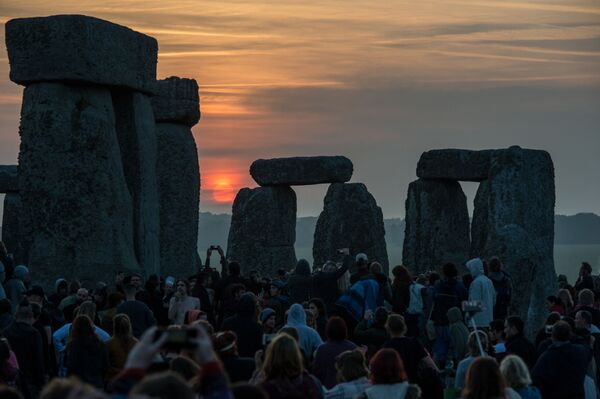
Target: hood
{"points": [[475, 267], [302, 267], [247, 305], [57, 283], [296, 316], [265, 314], [21, 271], [454, 314]]}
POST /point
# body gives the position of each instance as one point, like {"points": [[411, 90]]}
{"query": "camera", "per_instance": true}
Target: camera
{"points": [[472, 307], [177, 339]]}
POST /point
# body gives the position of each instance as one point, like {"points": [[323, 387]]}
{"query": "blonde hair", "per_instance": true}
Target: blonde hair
{"points": [[515, 372], [283, 359], [88, 308], [472, 342]]}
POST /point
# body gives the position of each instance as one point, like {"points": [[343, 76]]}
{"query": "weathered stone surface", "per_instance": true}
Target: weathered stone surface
{"points": [[9, 179], [350, 219], [437, 225], [177, 101], [479, 224], [78, 48], [526, 263], [11, 227], [263, 229], [298, 171], [522, 192], [454, 164], [179, 196], [136, 132], [77, 214]]}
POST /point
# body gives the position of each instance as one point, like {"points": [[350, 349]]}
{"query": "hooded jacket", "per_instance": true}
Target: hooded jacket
{"points": [[309, 339], [481, 289], [300, 283], [459, 334]]}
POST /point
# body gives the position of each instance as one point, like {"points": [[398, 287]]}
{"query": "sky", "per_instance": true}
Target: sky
{"points": [[377, 81]]}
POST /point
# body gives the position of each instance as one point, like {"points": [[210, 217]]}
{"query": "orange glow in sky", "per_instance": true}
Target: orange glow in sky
{"points": [[377, 81]]}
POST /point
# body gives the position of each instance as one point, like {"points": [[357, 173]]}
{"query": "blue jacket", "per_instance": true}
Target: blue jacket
{"points": [[359, 298], [309, 338]]}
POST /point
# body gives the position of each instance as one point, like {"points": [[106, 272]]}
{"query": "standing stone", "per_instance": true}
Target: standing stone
{"points": [[136, 132], [179, 193], [9, 179], [454, 164], [177, 101], [176, 109], [299, 171], [263, 229], [479, 224], [524, 261], [81, 49], [437, 226], [350, 219], [77, 214], [11, 228], [522, 192]]}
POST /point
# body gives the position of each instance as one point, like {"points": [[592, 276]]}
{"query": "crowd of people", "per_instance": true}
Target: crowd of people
{"points": [[343, 330]]}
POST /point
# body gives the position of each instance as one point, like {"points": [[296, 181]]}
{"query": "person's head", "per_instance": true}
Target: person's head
{"points": [[565, 297], [585, 269], [88, 308], [396, 325], [36, 294], [401, 275], [317, 307], [114, 300], [495, 264], [362, 261], [586, 297], [329, 267], [497, 330], [268, 318], [61, 287], [311, 320], [561, 331], [122, 326], [473, 345], [22, 273], [184, 367], [513, 326], [515, 372], [247, 306], [61, 388], [583, 319], [552, 318], [336, 329], [283, 359], [136, 280], [351, 365], [449, 270], [387, 368], [376, 268], [24, 313], [225, 343], [165, 385], [82, 295], [380, 317], [183, 286], [291, 331], [234, 268], [74, 286], [484, 380], [551, 301], [475, 267], [274, 289], [82, 329], [237, 290]]}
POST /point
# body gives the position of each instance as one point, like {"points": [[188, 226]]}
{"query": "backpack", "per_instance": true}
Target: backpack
{"points": [[415, 305]]}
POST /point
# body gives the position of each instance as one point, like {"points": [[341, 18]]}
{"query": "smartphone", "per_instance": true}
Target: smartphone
{"points": [[170, 281], [178, 339]]}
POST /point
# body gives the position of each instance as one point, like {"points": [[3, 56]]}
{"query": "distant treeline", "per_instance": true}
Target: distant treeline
{"points": [[583, 228]]}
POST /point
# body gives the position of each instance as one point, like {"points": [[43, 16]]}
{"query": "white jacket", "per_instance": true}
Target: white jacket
{"points": [[481, 289]]}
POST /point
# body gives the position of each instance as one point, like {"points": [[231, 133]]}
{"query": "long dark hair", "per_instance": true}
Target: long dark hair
{"points": [[82, 331], [402, 276]]}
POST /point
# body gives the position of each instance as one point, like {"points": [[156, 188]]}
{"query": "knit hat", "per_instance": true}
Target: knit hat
{"points": [[21, 271], [265, 314]]}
